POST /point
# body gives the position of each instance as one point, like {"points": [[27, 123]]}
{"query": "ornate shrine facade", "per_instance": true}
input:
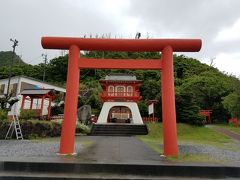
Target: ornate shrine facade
{"points": [[120, 96]]}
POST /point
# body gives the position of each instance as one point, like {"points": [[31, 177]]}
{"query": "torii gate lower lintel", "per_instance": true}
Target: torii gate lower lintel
{"points": [[165, 64]]}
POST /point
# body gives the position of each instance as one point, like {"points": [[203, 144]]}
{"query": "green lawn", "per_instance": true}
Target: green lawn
{"points": [[187, 133]]}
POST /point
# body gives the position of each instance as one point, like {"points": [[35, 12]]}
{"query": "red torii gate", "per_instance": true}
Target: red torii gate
{"points": [[165, 64]]}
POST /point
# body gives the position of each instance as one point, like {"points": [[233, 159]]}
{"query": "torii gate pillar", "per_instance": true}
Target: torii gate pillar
{"points": [[71, 101], [168, 104]]}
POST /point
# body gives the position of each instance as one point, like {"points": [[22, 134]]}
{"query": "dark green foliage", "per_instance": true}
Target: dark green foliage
{"points": [[198, 86], [150, 89], [28, 114], [187, 109], [3, 114], [40, 128], [83, 129], [231, 102], [143, 108], [207, 90], [22, 69], [4, 125], [33, 128], [185, 67], [56, 70], [55, 110]]}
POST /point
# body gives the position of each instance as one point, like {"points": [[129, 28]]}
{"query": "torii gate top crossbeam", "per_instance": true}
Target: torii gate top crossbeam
{"points": [[130, 45]]}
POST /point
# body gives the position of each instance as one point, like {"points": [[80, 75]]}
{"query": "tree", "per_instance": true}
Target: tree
{"points": [[56, 70], [186, 108], [143, 108], [207, 90], [232, 103], [6, 102], [150, 89]]}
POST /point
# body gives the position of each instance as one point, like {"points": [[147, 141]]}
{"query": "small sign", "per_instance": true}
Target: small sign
{"points": [[150, 108]]}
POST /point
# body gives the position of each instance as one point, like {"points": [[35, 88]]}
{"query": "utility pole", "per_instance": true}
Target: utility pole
{"points": [[45, 63], [15, 43]]}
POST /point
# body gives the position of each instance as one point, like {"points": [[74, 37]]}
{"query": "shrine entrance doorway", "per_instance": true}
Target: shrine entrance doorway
{"points": [[119, 114]]}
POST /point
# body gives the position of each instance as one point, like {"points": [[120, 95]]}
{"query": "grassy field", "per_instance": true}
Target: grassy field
{"points": [[187, 134]]}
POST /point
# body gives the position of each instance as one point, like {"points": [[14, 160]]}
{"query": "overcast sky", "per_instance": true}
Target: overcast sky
{"points": [[216, 22]]}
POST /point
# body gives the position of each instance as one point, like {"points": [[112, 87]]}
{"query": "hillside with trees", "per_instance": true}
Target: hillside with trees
{"points": [[7, 57], [197, 85]]}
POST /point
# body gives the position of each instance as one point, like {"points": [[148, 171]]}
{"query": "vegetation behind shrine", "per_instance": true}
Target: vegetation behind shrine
{"points": [[197, 86]]}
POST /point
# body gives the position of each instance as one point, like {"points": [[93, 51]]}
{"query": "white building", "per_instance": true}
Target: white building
{"points": [[20, 83]]}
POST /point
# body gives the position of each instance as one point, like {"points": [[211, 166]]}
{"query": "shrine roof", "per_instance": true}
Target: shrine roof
{"points": [[120, 77], [36, 91]]}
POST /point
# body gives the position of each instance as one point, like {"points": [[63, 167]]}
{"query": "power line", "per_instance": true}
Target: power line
{"points": [[15, 43], [45, 63]]}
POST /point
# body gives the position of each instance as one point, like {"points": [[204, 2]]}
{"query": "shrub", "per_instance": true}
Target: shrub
{"points": [[55, 110], [33, 129], [40, 128], [83, 129], [28, 114], [4, 125]]}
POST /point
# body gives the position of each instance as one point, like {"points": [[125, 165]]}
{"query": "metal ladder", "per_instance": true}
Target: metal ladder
{"points": [[15, 125]]}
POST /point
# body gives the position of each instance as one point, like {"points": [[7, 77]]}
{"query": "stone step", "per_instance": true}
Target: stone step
{"points": [[120, 132], [118, 129]]}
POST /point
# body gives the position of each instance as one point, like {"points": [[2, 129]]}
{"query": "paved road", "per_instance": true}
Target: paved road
{"points": [[107, 149], [228, 133]]}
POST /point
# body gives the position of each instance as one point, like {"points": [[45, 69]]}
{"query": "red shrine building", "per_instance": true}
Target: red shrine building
{"points": [[120, 96]]}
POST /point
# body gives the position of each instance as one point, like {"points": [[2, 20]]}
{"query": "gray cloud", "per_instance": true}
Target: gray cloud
{"points": [[190, 19], [28, 20]]}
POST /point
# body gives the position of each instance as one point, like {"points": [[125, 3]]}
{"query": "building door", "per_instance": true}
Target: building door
{"points": [[119, 114]]}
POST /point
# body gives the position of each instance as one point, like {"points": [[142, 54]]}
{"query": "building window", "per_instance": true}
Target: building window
{"points": [[27, 86], [120, 91], [2, 87], [110, 91], [13, 89], [129, 91]]}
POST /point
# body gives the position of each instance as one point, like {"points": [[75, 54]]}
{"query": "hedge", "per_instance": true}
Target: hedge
{"points": [[28, 114], [39, 128]]}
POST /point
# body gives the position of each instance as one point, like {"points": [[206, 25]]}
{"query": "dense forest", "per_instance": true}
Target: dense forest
{"points": [[197, 86]]}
